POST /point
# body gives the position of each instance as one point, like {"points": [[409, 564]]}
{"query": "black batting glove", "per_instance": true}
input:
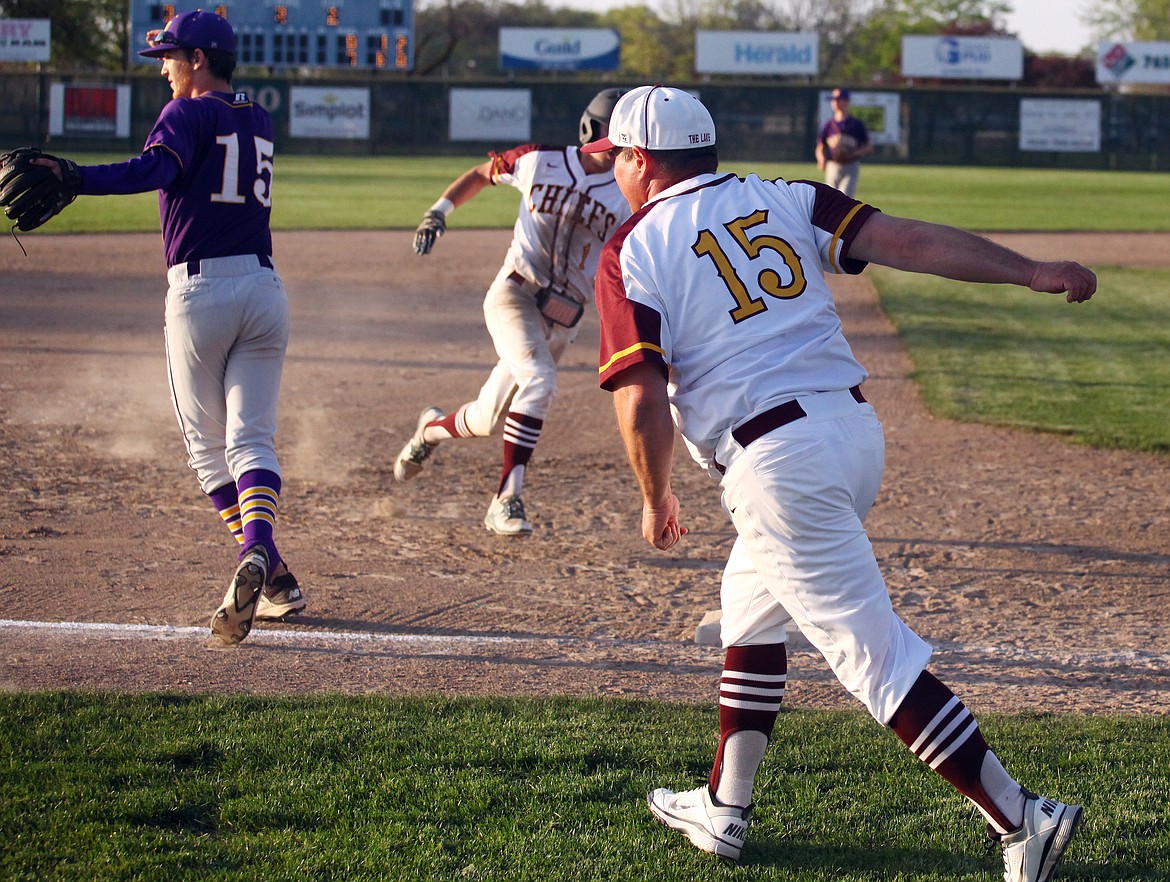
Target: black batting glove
{"points": [[434, 224]]}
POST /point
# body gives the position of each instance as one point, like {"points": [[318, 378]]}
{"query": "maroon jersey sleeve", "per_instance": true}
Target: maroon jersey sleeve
{"points": [[631, 332], [505, 163], [840, 215]]}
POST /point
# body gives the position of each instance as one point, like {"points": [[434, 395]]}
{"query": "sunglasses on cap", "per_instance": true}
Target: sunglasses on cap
{"points": [[168, 39]]}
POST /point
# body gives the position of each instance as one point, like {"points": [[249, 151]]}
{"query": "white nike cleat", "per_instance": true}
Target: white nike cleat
{"points": [[718, 829], [414, 454], [1031, 853], [232, 622], [506, 517]]}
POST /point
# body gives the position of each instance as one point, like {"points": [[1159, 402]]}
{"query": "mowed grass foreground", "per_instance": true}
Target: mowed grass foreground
{"points": [[367, 788]]}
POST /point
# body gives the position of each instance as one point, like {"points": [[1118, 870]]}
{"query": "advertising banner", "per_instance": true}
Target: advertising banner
{"points": [[1119, 63], [756, 52], [342, 114], [1060, 125], [501, 115], [24, 39], [880, 111], [963, 58], [89, 110], [551, 49]]}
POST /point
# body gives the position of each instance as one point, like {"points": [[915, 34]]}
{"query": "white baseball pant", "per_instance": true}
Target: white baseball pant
{"points": [[843, 177], [529, 348], [226, 335], [798, 497]]}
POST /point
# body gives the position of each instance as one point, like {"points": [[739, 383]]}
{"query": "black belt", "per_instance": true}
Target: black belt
{"points": [[780, 415], [193, 265]]}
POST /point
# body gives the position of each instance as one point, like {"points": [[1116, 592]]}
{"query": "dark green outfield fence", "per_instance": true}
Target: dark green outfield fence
{"points": [[756, 121]]}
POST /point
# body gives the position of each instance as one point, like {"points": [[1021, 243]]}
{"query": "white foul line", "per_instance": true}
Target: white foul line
{"points": [[280, 636], [1141, 659]]}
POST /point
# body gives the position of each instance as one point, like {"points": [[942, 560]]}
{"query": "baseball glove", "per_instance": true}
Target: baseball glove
{"points": [[842, 148], [31, 193], [434, 224]]}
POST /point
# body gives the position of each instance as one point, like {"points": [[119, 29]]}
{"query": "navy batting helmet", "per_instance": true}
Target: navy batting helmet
{"points": [[596, 116]]}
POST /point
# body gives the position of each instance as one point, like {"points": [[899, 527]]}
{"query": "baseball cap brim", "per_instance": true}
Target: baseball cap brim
{"points": [[600, 146], [160, 51], [164, 43]]}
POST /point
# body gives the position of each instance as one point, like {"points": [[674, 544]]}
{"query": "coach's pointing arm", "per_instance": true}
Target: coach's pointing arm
{"points": [[921, 247]]}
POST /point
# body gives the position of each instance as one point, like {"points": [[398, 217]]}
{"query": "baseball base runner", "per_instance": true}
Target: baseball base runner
{"points": [[570, 205]]}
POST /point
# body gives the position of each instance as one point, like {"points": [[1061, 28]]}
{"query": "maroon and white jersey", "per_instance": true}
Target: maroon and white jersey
{"points": [[565, 219], [734, 267]]}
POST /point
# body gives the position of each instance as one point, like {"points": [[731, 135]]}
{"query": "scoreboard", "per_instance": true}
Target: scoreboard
{"points": [[361, 34]]}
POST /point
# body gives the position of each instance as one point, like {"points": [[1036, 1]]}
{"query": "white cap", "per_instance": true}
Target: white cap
{"points": [[657, 118]]}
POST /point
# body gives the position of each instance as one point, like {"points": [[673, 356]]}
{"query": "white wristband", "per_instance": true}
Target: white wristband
{"points": [[444, 206]]}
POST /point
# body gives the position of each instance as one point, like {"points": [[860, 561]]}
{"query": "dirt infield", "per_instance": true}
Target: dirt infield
{"points": [[1038, 570]]}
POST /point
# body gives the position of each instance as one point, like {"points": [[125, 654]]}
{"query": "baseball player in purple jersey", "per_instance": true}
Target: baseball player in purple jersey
{"points": [[841, 143], [716, 317], [570, 205], [210, 157]]}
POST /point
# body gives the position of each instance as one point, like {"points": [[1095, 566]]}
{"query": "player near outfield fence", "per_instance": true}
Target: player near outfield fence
{"points": [[570, 205], [715, 315], [842, 143], [210, 156]]}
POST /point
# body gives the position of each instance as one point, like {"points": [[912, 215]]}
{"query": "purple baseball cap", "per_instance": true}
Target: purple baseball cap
{"points": [[194, 30]]}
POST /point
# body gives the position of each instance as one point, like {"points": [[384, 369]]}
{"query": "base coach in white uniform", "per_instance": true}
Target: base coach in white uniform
{"points": [[715, 316]]}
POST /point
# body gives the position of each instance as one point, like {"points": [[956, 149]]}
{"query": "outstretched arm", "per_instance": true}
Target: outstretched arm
{"points": [[154, 169], [463, 188], [468, 184], [643, 415], [922, 247]]}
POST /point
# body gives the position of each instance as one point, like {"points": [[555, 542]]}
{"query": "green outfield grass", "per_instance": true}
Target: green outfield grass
{"points": [[328, 788], [1097, 373], [314, 192]]}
